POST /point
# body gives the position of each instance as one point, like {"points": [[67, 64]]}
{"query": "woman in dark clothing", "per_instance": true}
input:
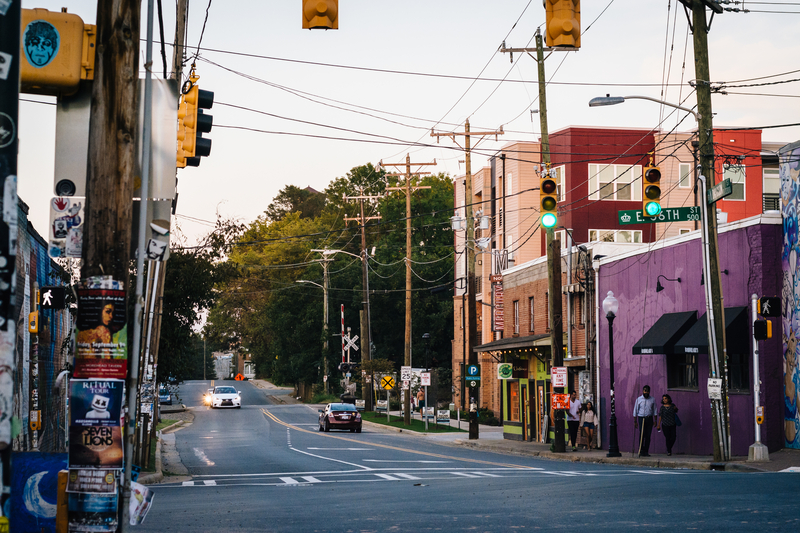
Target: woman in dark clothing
{"points": [[666, 421]]}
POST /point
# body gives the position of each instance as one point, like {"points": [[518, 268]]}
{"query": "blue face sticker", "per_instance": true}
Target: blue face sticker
{"points": [[41, 40]]}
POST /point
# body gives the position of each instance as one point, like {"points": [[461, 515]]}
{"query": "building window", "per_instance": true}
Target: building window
{"points": [[513, 401], [561, 235], [684, 175], [682, 371], [516, 316], [736, 174], [558, 176], [615, 182], [509, 247], [509, 181], [739, 372], [772, 189], [624, 235], [531, 313], [684, 231]]}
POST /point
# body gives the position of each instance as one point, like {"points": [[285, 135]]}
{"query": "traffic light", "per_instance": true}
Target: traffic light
{"points": [[563, 23], [651, 191], [762, 329], [345, 367], [319, 14], [548, 194], [193, 123]]}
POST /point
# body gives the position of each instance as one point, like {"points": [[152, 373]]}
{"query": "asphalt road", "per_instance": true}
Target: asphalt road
{"points": [[265, 467]]}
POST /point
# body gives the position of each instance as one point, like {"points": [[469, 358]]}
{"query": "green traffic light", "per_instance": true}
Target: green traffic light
{"points": [[548, 220], [652, 209]]}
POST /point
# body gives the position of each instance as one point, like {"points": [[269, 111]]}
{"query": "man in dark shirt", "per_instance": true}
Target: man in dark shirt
{"points": [[644, 413]]}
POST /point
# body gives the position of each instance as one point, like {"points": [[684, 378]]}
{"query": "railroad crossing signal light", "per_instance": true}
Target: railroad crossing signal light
{"points": [[193, 123], [345, 367], [651, 191], [762, 330], [548, 194], [563, 23], [321, 14]]}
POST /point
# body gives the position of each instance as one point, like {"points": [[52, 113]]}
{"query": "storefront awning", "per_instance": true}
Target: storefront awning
{"points": [[663, 335], [737, 333], [514, 343]]}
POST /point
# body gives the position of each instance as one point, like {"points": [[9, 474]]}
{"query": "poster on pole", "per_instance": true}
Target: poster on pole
{"points": [[95, 402], [101, 349]]}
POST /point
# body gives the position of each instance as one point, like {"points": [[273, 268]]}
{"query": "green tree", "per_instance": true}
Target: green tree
{"points": [[307, 202]]}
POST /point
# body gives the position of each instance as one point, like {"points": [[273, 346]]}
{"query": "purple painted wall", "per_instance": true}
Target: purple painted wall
{"points": [[751, 254]]}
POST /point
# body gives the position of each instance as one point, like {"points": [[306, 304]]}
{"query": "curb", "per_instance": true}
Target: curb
{"points": [[154, 477]]}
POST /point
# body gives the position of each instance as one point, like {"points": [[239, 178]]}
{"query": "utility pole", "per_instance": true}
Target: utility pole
{"points": [[408, 190], [472, 319], [716, 314], [366, 323], [553, 245]]}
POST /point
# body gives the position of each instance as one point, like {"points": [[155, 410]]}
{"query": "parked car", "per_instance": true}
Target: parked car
{"points": [[225, 396], [340, 416], [164, 396]]}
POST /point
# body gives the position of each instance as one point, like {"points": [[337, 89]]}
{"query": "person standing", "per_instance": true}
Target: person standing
{"points": [[588, 421], [574, 419], [644, 414], [668, 421]]}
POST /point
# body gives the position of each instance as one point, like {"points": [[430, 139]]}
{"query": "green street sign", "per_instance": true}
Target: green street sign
{"points": [[719, 191], [668, 214]]}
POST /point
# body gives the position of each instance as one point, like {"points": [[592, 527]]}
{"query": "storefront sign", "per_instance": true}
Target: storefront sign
{"points": [[520, 369], [505, 371], [498, 320]]}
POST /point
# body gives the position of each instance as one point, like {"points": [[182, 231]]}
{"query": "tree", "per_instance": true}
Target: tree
{"points": [[307, 202]]}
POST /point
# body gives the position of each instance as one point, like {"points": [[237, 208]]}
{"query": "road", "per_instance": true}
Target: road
{"points": [[265, 467]]}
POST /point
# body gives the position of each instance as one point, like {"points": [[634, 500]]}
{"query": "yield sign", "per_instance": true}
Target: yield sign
{"points": [[350, 342]]}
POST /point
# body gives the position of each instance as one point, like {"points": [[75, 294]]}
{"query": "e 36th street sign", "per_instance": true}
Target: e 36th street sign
{"points": [[673, 214]]}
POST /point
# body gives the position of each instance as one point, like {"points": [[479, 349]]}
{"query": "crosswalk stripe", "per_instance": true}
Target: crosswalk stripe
{"points": [[485, 474], [407, 476], [387, 476], [289, 480], [464, 474], [209, 482], [188, 483], [311, 479]]}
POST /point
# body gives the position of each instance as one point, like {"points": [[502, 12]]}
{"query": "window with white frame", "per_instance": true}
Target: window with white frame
{"points": [[772, 181], [558, 176], [509, 182], [684, 231], [561, 235], [516, 316], [610, 235], [684, 175], [615, 182], [509, 246], [736, 174]]}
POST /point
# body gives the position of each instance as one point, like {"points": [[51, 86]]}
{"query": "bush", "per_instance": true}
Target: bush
{"points": [[324, 398]]}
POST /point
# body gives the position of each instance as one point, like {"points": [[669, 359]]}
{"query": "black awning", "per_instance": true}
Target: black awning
{"points": [[661, 337], [737, 333], [512, 343]]}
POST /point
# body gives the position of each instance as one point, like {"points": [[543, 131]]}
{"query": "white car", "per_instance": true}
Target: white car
{"points": [[225, 396]]}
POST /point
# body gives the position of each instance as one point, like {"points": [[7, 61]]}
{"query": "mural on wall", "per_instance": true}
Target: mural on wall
{"points": [[790, 183]]}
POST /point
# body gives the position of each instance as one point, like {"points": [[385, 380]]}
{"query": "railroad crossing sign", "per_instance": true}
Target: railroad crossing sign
{"points": [[350, 342], [387, 382]]}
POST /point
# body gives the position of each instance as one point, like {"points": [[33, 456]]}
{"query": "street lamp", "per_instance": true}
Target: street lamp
{"points": [[610, 308], [613, 100], [325, 320]]}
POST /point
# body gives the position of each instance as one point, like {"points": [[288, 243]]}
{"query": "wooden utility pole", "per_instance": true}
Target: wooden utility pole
{"points": [[717, 349], [408, 189], [366, 325], [472, 319]]}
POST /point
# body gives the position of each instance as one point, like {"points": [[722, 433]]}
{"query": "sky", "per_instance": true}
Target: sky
{"points": [[303, 107]]}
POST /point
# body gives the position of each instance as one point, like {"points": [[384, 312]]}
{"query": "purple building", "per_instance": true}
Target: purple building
{"points": [[672, 357]]}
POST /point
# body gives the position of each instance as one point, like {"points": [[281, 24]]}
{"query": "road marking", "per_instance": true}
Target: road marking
{"points": [[343, 449], [202, 456], [393, 461], [388, 477], [464, 474], [311, 479], [652, 472], [188, 483], [289, 480], [209, 482], [407, 476], [486, 474]]}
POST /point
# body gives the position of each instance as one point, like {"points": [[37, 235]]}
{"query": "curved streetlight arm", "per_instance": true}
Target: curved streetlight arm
{"points": [[613, 100], [311, 282], [331, 252]]}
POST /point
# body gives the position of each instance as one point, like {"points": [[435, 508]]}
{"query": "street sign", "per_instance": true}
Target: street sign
{"points": [[719, 191], [473, 373], [559, 376], [425, 379], [405, 373], [406, 384], [668, 214], [473, 384], [350, 342], [560, 401], [714, 388], [387, 382]]}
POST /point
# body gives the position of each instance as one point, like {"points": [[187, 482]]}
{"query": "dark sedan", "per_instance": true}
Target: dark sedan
{"points": [[340, 416]]}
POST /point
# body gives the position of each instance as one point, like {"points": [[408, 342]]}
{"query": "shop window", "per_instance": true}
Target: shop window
{"points": [[739, 372], [682, 371], [513, 401]]}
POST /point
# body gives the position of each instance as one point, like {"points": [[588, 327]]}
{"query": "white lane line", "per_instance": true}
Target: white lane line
{"points": [[345, 449], [464, 474], [289, 480], [209, 482], [388, 477], [565, 474], [311, 479], [188, 483], [407, 476], [652, 472], [485, 474], [392, 461]]}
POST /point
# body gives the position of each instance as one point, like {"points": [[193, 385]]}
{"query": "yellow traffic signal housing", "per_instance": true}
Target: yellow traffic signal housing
{"points": [[57, 51], [563, 23], [192, 123], [762, 329], [651, 191], [319, 14], [548, 201]]}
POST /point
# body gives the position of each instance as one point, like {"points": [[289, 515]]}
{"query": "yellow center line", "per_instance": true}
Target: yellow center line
{"points": [[388, 447]]}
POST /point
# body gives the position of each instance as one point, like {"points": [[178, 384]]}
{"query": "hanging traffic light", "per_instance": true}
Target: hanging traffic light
{"points": [[563, 23], [548, 194], [651, 191], [321, 14], [193, 123]]}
